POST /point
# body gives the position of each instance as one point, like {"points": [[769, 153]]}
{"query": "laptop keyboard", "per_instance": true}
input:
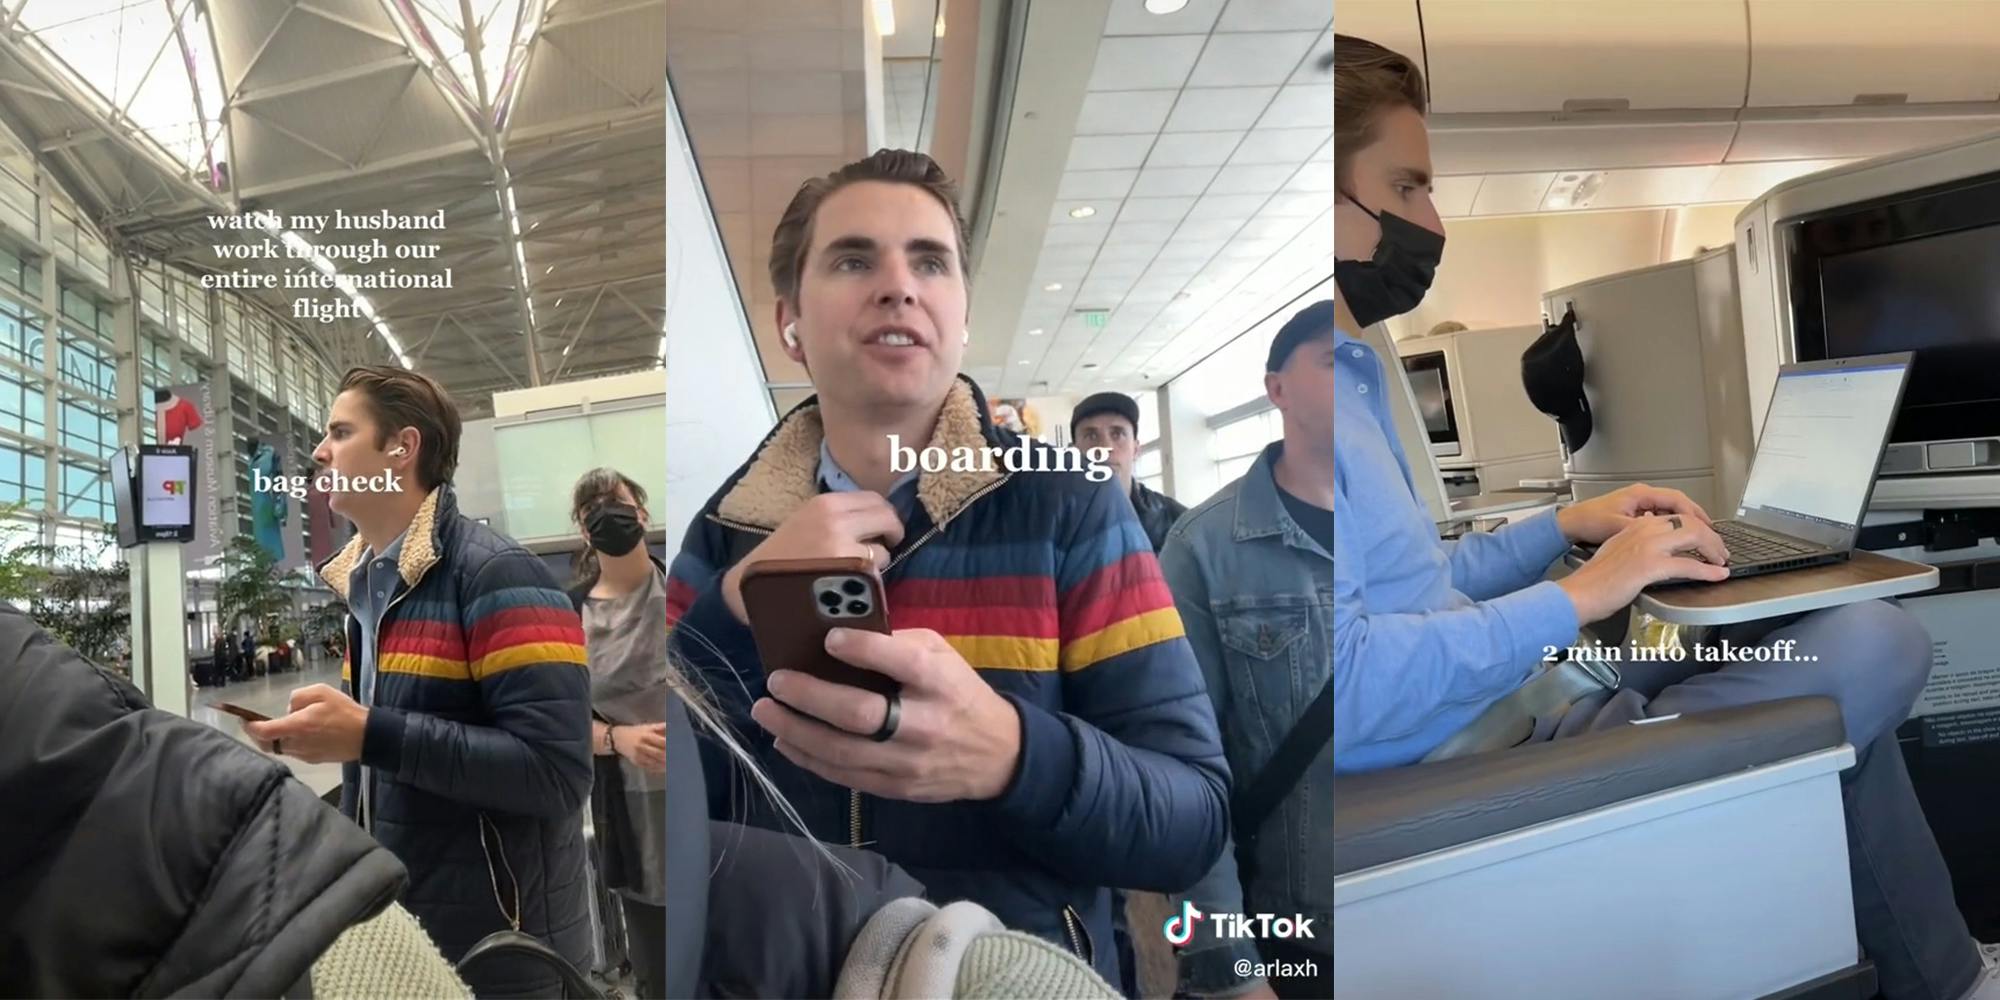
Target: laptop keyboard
{"points": [[1746, 545]]}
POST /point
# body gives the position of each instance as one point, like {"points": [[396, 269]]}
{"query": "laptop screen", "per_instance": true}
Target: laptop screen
{"points": [[1822, 442]]}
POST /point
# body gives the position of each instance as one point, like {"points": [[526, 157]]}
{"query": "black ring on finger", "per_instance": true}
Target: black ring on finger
{"points": [[1675, 520], [277, 746], [890, 719]]}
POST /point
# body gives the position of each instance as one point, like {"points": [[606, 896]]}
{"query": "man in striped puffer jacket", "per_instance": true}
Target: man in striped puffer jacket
{"points": [[1052, 739], [462, 724]]}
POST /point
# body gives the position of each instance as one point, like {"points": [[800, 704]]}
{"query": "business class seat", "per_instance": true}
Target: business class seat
{"points": [[1682, 858]]}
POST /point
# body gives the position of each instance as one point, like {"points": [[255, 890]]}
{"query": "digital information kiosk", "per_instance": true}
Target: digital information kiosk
{"points": [[153, 489]]}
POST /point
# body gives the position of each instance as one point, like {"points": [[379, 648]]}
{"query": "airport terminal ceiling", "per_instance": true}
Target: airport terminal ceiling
{"points": [[1139, 186], [535, 131]]}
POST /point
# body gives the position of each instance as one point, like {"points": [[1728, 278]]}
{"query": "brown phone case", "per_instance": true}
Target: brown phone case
{"points": [[790, 615], [240, 712]]}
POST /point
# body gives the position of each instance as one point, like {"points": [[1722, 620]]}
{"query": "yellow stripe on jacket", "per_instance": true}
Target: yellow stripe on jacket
{"points": [[1136, 632], [527, 654]]}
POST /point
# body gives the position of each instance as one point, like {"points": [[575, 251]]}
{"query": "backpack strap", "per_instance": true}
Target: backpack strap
{"points": [[1257, 799]]}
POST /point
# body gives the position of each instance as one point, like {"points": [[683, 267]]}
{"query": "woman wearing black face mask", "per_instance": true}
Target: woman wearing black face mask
{"points": [[621, 593]]}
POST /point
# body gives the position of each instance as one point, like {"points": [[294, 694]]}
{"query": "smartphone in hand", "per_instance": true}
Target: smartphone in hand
{"points": [[247, 715], [794, 603]]}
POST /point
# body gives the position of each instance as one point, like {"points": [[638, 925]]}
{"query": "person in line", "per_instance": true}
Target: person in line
{"points": [[1110, 420], [152, 855], [1251, 571], [1427, 636], [621, 591], [1051, 739], [462, 722]]}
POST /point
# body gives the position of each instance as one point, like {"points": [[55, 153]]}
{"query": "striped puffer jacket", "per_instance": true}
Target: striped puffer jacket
{"points": [[1047, 585], [477, 748]]}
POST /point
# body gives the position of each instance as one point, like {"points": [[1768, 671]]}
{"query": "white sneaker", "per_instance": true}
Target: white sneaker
{"points": [[1987, 986]]}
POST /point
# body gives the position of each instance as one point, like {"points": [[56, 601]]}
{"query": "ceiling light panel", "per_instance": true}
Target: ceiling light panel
{"points": [[1126, 112], [1145, 62], [1155, 182], [1156, 209], [1193, 149], [1251, 59], [1280, 145], [1085, 185], [1211, 109], [1106, 152]]}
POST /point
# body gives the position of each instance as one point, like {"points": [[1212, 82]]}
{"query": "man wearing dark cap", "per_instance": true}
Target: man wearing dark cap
{"points": [[1250, 570], [1110, 420]]}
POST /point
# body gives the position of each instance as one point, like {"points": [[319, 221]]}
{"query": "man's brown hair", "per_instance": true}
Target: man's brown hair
{"points": [[1369, 81], [399, 398], [792, 240]]}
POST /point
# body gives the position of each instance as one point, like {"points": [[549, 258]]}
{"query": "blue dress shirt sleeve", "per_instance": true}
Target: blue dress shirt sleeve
{"points": [[1394, 674], [1487, 565]]}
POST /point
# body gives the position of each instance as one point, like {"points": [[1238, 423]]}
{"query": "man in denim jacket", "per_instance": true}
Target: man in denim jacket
{"points": [[1251, 571]]}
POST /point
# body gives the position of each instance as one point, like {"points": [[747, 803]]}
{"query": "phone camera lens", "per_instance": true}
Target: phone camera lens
{"points": [[857, 608], [829, 598], [854, 588]]}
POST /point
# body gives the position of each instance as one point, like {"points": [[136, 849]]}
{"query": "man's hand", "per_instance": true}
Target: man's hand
{"points": [[323, 727], [958, 738], [1592, 521], [830, 525], [1651, 549], [645, 746]]}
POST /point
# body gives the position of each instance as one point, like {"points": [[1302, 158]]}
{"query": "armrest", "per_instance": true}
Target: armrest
{"points": [[1390, 815]]}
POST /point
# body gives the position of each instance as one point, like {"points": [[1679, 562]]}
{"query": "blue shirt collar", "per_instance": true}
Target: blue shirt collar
{"points": [[836, 479], [394, 553]]}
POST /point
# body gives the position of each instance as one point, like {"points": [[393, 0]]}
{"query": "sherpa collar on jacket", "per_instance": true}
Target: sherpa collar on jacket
{"points": [[422, 545], [785, 471]]}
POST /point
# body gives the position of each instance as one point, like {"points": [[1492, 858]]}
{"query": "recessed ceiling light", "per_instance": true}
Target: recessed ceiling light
{"points": [[1036, 332], [1053, 286], [1164, 6], [1082, 212], [1024, 362]]}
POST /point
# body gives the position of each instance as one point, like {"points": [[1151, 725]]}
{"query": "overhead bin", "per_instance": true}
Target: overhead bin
{"points": [[1511, 146], [1879, 51], [1546, 55], [1818, 136]]}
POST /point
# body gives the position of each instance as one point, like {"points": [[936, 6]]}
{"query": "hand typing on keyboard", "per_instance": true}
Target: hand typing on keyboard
{"points": [[1593, 521], [1649, 550]]}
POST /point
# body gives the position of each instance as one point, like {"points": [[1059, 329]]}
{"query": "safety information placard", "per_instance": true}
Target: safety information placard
{"points": [[1961, 704]]}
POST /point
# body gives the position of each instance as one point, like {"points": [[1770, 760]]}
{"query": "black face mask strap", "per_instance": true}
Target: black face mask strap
{"points": [[1377, 216]]}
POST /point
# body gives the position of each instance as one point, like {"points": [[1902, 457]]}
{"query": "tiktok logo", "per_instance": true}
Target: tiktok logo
{"points": [[1180, 929]]}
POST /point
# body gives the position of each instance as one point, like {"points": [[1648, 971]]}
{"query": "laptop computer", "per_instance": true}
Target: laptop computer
{"points": [[1815, 464]]}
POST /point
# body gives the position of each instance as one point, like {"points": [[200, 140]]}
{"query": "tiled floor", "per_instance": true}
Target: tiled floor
{"points": [[272, 696]]}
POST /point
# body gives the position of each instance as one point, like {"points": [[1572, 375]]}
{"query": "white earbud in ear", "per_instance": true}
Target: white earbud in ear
{"points": [[968, 335], [791, 335], [398, 451]]}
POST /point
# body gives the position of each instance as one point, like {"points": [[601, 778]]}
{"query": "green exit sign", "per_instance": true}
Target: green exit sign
{"points": [[1094, 319]]}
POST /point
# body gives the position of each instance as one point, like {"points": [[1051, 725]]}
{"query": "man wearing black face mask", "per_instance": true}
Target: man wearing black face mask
{"points": [[622, 596], [1427, 636]]}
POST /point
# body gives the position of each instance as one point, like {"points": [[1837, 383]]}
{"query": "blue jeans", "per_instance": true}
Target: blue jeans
{"points": [[1872, 659]]}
